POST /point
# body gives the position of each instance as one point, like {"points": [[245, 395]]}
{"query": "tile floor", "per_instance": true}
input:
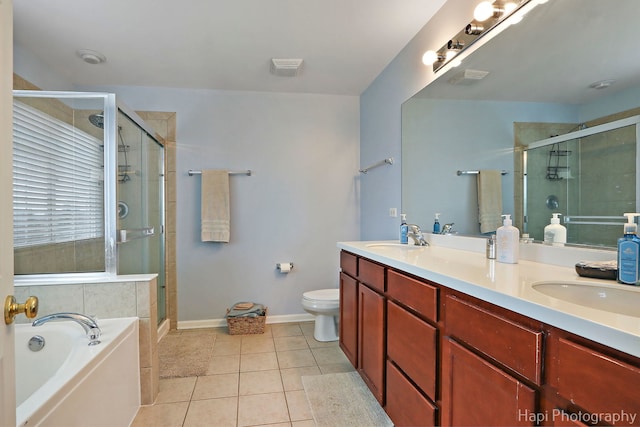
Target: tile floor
{"points": [[252, 380]]}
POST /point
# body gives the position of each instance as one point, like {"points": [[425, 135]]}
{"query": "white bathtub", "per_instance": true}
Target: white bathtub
{"points": [[69, 383]]}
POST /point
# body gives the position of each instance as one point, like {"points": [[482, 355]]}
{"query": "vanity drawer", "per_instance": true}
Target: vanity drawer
{"points": [[411, 344], [371, 274], [515, 346], [596, 382], [406, 406], [349, 263], [417, 295]]}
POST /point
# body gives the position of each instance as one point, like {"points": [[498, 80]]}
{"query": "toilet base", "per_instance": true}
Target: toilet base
{"points": [[326, 328]]}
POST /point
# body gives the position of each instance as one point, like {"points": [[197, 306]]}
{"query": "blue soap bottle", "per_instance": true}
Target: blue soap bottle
{"points": [[629, 253], [404, 230], [436, 224]]}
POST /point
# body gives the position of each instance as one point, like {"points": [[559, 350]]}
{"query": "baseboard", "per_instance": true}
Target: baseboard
{"points": [[219, 323]]}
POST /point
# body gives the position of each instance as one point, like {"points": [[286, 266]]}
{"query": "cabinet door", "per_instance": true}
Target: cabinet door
{"points": [[349, 318], [371, 322], [477, 393]]}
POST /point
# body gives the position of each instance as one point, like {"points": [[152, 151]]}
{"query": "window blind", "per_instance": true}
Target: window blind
{"points": [[57, 180]]}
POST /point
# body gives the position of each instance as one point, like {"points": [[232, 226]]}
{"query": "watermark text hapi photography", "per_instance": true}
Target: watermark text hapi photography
{"points": [[620, 417]]}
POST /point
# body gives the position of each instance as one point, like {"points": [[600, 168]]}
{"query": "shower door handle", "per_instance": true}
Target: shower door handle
{"points": [[126, 235]]}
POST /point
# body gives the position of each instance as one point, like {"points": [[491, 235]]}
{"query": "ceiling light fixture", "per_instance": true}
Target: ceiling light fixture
{"points": [[91, 56], [286, 67], [602, 84]]}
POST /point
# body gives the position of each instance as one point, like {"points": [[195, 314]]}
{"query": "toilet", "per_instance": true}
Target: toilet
{"points": [[324, 304]]}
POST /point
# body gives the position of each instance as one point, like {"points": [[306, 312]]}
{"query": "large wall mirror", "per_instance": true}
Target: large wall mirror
{"points": [[569, 65]]}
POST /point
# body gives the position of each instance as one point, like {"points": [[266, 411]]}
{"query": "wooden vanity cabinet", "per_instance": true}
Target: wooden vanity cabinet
{"points": [[436, 356], [593, 378]]}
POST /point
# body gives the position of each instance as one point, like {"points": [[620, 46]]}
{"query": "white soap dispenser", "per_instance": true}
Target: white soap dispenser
{"points": [[508, 242], [555, 234]]}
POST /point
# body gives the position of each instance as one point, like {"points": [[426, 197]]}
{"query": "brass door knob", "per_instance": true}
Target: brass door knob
{"points": [[12, 308]]}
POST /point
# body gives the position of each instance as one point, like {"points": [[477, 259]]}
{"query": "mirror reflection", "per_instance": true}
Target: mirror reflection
{"points": [[567, 66]]}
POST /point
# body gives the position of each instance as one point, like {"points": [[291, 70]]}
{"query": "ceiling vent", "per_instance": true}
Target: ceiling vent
{"points": [[286, 67], [467, 77]]}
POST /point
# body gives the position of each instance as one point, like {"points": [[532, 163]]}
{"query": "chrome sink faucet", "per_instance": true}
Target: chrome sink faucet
{"points": [[89, 325], [416, 234]]}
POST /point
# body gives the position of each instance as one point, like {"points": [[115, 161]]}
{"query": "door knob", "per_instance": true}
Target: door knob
{"points": [[12, 308]]}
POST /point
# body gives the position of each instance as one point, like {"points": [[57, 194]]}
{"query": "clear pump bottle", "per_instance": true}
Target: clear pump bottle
{"points": [[508, 242]]}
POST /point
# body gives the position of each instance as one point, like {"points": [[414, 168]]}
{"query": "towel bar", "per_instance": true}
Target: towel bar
{"points": [[476, 172], [192, 172]]}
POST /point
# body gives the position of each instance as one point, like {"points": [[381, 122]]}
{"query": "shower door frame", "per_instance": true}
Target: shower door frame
{"points": [[110, 109]]}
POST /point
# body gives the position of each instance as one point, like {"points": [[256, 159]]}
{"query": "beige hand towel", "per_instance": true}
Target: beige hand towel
{"points": [[489, 200], [215, 215]]}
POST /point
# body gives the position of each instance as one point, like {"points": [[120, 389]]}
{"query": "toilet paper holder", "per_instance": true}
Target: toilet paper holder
{"points": [[284, 267]]}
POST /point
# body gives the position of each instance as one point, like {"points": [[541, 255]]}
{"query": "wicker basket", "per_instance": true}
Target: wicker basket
{"points": [[246, 325]]}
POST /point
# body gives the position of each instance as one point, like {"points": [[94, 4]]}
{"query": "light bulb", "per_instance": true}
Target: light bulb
{"points": [[509, 7], [429, 57], [451, 53], [483, 11]]}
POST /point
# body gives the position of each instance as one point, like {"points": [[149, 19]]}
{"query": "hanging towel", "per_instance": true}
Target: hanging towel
{"points": [[489, 200], [215, 206]]}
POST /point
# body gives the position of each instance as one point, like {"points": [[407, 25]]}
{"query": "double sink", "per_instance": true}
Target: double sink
{"points": [[614, 298]]}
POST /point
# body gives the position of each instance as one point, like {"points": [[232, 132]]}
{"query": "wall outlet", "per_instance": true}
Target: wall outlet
{"points": [[393, 212]]}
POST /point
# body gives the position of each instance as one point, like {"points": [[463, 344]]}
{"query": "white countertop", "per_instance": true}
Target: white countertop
{"points": [[509, 286]]}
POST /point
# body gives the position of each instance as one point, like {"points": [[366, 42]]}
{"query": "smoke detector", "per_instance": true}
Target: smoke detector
{"points": [[285, 67], [468, 76], [91, 56]]}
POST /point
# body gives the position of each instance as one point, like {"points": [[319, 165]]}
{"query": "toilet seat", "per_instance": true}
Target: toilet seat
{"points": [[322, 295]]}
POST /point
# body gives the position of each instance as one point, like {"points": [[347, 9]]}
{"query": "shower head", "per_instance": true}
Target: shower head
{"points": [[97, 120]]}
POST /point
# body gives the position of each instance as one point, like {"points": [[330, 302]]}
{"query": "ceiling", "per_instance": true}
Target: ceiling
{"points": [[553, 55], [217, 44]]}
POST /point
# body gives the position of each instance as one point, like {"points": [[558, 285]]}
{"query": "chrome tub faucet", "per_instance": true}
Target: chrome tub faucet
{"points": [[89, 324]]}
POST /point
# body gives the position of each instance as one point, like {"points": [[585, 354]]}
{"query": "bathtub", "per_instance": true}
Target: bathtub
{"points": [[69, 383]]}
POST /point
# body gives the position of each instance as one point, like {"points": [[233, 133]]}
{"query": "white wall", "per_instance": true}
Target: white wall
{"points": [[301, 199]]}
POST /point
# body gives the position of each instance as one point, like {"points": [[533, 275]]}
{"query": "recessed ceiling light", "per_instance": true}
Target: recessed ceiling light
{"points": [[91, 56], [602, 84]]}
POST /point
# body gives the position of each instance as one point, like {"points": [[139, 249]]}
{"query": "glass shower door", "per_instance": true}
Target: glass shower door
{"points": [[140, 195]]}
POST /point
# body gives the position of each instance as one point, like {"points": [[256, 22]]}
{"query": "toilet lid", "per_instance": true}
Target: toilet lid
{"points": [[323, 294]]}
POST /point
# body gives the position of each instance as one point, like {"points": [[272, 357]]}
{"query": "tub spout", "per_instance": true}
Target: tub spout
{"points": [[89, 325]]}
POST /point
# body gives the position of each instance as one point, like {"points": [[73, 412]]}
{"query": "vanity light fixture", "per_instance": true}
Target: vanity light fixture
{"points": [[487, 15]]}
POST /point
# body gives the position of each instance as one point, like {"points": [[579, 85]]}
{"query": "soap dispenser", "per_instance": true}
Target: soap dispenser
{"points": [[629, 253], [508, 242], [555, 234], [404, 230], [436, 224]]}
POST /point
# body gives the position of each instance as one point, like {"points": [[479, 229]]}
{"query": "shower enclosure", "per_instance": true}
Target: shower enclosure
{"points": [[88, 189], [589, 176]]}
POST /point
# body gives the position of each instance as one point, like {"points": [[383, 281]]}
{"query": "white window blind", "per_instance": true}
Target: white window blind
{"points": [[57, 180]]}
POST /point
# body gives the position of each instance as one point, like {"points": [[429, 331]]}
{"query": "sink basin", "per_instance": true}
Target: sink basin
{"points": [[394, 245], [601, 297]]}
